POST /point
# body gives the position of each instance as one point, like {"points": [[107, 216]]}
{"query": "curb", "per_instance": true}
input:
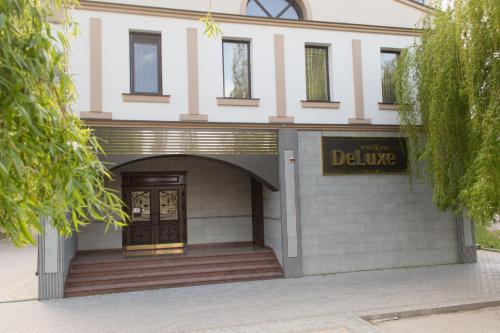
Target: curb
{"points": [[430, 311], [488, 249]]}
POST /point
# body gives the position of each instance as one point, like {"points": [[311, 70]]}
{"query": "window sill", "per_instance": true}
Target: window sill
{"points": [[224, 101], [95, 115], [387, 106], [320, 105], [146, 98]]}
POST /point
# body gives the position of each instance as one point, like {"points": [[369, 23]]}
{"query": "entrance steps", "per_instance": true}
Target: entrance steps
{"points": [[93, 274]]}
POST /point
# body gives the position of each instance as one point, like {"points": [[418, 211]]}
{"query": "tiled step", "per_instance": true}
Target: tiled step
{"points": [[99, 274], [95, 262], [166, 266], [124, 287], [171, 275]]}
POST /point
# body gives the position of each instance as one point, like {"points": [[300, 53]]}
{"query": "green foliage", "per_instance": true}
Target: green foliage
{"points": [[48, 160], [212, 29], [487, 238], [449, 83]]}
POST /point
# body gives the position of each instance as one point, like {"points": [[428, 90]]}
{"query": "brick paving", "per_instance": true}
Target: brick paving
{"points": [[316, 304]]}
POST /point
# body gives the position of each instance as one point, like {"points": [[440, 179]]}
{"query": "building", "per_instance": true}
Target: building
{"points": [[282, 134]]}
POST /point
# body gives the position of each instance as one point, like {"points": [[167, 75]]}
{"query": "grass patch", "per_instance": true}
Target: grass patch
{"points": [[486, 238]]}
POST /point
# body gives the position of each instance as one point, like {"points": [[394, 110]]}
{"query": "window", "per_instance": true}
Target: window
{"points": [[389, 61], [236, 66], [145, 63], [282, 9], [317, 81]]}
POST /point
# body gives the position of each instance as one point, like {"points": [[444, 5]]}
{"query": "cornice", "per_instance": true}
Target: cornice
{"points": [[245, 126], [417, 5], [241, 19]]}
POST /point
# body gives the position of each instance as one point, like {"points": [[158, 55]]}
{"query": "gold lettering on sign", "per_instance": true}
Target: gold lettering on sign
{"points": [[350, 158], [338, 157], [357, 158], [391, 159]]}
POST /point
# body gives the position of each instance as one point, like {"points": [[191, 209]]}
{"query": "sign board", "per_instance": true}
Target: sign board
{"points": [[363, 155]]}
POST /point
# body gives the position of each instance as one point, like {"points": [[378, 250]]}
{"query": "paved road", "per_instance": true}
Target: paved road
{"points": [[17, 272], [326, 304]]}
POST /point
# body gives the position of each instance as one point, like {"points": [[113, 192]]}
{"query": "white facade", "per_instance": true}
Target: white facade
{"points": [[116, 62]]}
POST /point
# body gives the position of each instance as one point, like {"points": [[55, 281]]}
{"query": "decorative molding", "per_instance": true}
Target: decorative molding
{"points": [[417, 5], [193, 117], [356, 121], [219, 125], [222, 101], [193, 83], [386, 106], [281, 119], [146, 98], [357, 71], [320, 105], [95, 65], [96, 115], [279, 65], [231, 18]]}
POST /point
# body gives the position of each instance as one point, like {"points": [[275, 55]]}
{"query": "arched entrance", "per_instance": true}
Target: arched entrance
{"points": [[194, 221], [179, 200]]}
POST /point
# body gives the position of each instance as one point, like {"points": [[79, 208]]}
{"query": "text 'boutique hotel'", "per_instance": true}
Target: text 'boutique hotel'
{"points": [[272, 151]]}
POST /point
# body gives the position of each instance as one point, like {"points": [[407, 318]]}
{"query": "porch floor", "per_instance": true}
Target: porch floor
{"points": [[93, 273]]}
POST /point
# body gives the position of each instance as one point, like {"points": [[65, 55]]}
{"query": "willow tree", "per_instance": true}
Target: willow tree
{"points": [[48, 159], [448, 91]]}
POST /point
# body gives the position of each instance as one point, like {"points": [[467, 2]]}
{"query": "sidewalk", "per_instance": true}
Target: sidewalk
{"points": [[326, 304], [17, 272]]}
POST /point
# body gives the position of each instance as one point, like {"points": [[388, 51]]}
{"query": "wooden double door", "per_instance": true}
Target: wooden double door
{"points": [[156, 209]]}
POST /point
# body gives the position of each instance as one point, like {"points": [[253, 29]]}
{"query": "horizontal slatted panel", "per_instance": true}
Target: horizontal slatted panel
{"points": [[157, 141]]}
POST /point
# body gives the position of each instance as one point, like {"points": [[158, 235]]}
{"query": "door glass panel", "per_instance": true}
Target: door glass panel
{"points": [[169, 209], [141, 206]]}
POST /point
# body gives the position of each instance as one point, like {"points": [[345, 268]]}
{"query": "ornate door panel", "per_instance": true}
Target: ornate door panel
{"points": [[157, 212], [141, 217], [169, 231]]}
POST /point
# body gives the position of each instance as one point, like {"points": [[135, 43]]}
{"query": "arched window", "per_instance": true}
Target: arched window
{"points": [[282, 9]]}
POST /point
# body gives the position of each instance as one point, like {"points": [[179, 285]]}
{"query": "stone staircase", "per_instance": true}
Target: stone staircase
{"points": [[92, 274]]}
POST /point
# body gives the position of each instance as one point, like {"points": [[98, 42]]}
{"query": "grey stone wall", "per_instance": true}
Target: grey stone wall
{"points": [[218, 203], [54, 256], [363, 222], [272, 222]]}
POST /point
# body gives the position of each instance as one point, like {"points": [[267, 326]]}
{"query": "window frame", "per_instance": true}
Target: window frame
{"points": [[249, 68], [327, 59], [397, 52], [135, 36], [291, 4]]}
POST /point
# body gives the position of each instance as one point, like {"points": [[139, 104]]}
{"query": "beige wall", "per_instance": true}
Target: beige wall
{"points": [[218, 200], [373, 12]]}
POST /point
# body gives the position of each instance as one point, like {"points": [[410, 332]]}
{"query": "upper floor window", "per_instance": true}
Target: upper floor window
{"points": [[317, 81], [236, 67], [283, 9], [389, 62], [145, 63]]}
